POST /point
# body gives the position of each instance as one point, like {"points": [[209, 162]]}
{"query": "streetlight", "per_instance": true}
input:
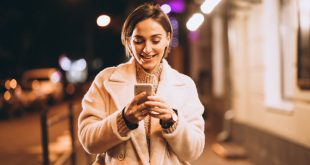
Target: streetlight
{"points": [[195, 21], [103, 20], [209, 5]]}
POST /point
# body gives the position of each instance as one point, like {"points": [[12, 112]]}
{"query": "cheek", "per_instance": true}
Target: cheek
{"points": [[160, 48], [164, 44], [137, 49]]}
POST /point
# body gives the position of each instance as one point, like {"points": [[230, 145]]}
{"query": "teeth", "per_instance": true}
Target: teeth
{"points": [[148, 57]]}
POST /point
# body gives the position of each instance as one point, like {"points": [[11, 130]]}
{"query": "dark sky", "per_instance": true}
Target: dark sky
{"points": [[34, 33]]}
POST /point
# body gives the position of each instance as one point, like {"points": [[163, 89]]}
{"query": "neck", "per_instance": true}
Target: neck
{"points": [[144, 74]]}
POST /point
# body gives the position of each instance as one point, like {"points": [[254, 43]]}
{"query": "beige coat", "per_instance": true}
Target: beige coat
{"points": [[112, 90]]}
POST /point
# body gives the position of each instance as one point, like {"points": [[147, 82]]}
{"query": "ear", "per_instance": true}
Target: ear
{"points": [[167, 48], [169, 37]]}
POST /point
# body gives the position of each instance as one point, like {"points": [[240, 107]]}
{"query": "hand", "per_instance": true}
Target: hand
{"points": [[159, 108], [135, 112]]}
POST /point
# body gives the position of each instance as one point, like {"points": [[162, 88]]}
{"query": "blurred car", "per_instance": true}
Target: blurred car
{"points": [[41, 85], [10, 105]]}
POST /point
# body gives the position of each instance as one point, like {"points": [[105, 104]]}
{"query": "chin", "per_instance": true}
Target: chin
{"points": [[148, 67]]}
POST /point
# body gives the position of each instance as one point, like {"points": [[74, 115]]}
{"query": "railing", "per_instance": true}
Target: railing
{"points": [[46, 123]]}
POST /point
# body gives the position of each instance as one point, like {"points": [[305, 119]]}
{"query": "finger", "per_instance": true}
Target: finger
{"points": [[160, 116], [157, 110], [153, 93], [142, 114], [138, 97], [156, 115], [153, 104], [141, 107], [137, 116], [155, 98], [133, 109]]}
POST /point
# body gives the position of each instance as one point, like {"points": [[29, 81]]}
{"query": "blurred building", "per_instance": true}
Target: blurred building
{"points": [[252, 57]]}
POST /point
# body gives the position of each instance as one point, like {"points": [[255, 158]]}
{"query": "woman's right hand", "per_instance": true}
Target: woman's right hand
{"points": [[135, 112]]}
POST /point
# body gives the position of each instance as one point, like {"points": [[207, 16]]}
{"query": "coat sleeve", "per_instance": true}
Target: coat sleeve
{"points": [[188, 139], [97, 123]]}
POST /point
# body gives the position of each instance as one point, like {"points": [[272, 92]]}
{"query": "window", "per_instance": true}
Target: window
{"points": [[303, 59]]}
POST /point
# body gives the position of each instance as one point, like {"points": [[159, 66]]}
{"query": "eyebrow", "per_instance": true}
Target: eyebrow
{"points": [[155, 35]]}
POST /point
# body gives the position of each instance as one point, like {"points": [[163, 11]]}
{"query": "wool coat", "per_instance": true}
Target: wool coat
{"points": [[113, 89]]}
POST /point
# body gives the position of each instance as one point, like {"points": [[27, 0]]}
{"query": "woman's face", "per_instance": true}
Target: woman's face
{"points": [[148, 43]]}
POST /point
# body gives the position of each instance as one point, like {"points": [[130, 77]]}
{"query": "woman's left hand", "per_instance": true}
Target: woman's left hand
{"points": [[159, 108]]}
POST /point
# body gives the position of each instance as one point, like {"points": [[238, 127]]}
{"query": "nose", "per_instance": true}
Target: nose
{"points": [[147, 48]]}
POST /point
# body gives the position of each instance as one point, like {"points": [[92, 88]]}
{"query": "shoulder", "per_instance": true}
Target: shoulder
{"points": [[106, 73], [181, 78]]}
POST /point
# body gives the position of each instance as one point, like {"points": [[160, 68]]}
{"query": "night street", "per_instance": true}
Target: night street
{"points": [[21, 137], [226, 82]]}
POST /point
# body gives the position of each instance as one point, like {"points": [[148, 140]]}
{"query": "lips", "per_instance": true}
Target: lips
{"points": [[147, 57]]}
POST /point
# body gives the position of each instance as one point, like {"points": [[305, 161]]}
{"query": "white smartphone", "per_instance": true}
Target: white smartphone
{"points": [[143, 87]]}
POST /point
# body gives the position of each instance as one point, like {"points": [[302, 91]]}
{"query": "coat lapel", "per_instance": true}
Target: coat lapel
{"points": [[122, 79], [168, 87]]}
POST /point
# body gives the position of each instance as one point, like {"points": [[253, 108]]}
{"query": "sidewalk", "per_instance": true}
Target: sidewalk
{"points": [[21, 143], [209, 157]]}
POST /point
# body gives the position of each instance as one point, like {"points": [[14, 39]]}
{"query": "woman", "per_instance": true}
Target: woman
{"points": [[168, 127]]}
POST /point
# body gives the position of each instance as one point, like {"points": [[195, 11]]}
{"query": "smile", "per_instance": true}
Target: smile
{"points": [[147, 56]]}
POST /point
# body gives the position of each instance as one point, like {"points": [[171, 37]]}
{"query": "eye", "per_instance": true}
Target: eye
{"points": [[156, 40], [138, 40]]}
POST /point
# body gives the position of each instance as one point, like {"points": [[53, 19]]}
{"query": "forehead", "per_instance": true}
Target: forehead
{"points": [[148, 27]]}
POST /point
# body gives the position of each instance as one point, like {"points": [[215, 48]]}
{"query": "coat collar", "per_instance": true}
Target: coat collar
{"points": [[124, 73]]}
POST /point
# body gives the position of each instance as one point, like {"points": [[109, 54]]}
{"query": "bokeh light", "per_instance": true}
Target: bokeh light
{"points": [[103, 20], [7, 95], [177, 6], [64, 62], [166, 8], [13, 83], [195, 21], [209, 5]]}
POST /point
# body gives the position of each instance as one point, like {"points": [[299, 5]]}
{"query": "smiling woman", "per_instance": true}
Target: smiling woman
{"points": [[164, 126]]}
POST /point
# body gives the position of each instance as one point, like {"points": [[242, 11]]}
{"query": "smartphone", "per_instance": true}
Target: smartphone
{"points": [[143, 87]]}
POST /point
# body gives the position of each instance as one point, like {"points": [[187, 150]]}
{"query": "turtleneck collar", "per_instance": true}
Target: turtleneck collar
{"points": [[144, 77]]}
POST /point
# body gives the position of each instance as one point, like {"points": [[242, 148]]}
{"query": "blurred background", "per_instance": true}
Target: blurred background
{"points": [[250, 60]]}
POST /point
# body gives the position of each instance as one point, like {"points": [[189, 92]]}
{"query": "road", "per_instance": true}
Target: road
{"points": [[20, 139]]}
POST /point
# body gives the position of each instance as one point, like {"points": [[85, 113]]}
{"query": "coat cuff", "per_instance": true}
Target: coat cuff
{"points": [[129, 125], [171, 128], [122, 128], [117, 127]]}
